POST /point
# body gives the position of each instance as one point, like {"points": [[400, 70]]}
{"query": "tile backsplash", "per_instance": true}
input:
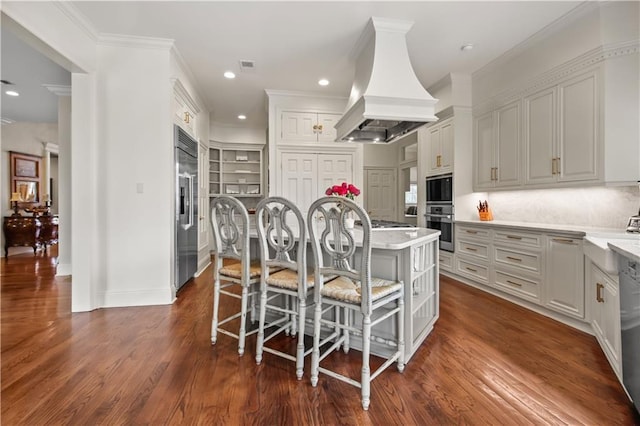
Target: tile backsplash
{"points": [[601, 207]]}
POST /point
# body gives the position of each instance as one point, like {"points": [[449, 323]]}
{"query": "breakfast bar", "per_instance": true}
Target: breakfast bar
{"points": [[409, 255]]}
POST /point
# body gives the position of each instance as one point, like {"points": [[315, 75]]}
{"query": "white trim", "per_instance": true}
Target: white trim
{"points": [[187, 70], [58, 89], [122, 40], [78, 19], [581, 63], [271, 92]]}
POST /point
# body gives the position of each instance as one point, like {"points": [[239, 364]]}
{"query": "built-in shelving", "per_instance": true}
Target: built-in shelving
{"points": [[235, 171]]}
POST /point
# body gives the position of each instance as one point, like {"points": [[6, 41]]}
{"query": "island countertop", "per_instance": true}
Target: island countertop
{"points": [[397, 239]]}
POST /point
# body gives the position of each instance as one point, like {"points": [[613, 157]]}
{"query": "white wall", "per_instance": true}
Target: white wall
{"points": [[136, 149], [237, 134]]}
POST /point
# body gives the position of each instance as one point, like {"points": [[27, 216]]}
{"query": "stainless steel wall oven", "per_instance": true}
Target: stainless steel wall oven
{"points": [[440, 211]]}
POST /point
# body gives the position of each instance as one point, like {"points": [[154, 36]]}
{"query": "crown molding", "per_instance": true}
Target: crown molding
{"points": [[78, 18], [583, 62], [57, 89], [122, 40], [272, 92], [189, 73]]}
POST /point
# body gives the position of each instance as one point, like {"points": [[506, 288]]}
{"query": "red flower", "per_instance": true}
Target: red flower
{"points": [[329, 191], [345, 189]]}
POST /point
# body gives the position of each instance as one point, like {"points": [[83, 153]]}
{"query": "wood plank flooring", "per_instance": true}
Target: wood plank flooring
{"points": [[486, 362]]}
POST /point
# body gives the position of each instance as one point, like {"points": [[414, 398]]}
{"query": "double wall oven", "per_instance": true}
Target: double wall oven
{"points": [[440, 211]]}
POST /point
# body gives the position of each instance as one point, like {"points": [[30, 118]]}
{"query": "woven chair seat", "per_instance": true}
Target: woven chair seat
{"points": [[342, 288], [234, 270]]}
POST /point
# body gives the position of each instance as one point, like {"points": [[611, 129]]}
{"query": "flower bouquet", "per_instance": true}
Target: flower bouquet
{"points": [[345, 190]]}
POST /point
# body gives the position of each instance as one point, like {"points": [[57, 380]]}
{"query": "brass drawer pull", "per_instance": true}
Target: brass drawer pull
{"points": [[471, 269], [563, 240], [514, 258], [470, 249], [471, 232], [599, 297], [513, 237], [514, 283]]}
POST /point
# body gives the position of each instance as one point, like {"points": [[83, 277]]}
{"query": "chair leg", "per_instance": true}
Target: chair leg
{"points": [[294, 318], [401, 334], [216, 304], [260, 342], [287, 330], [243, 319], [347, 323], [315, 355], [302, 309], [366, 372]]}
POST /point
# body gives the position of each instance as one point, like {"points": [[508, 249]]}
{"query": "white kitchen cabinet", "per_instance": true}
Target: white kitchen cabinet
{"points": [[236, 170], [540, 137], [203, 205], [440, 148], [446, 261], [497, 148], [605, 303], [472, 248], [309, 127], [185, 109], [564, 285], [579, 128], [306, 176]]}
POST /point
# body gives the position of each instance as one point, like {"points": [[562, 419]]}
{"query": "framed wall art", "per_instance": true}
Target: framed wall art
{"points": [[25, 177]]}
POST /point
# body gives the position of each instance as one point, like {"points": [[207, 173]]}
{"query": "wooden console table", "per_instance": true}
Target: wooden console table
{"points": [[29, 231]]}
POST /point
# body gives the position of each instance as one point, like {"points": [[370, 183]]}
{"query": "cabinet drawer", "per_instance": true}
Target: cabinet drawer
{"points": [[472, 270], [469, 232], [473, 249], [519, 238], [528, 261], [446, 261], [525, 288]]}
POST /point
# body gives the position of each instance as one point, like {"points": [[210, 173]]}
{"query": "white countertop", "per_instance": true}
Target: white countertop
{"points": [[575, 230]]}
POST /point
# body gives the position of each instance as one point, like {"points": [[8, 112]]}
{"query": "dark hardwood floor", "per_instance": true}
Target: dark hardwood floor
{"points": [[486, 362]]}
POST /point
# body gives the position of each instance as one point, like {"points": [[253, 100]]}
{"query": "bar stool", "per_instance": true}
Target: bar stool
{"points": [[282, 234], [354, 290], [230, 222]]}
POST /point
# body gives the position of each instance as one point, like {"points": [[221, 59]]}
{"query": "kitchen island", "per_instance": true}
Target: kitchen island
{"points": [[409, 255]]}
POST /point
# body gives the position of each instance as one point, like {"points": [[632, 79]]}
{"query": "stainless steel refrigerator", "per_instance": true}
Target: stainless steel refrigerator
{"points": [[186, 250]]}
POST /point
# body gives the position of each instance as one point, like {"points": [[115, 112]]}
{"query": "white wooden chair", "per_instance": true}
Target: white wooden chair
{"points": [[282, 234], [338, 251], [230, 222]]}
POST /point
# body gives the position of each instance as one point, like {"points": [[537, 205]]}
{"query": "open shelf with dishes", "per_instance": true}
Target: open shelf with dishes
{"points": [[235, 171]]}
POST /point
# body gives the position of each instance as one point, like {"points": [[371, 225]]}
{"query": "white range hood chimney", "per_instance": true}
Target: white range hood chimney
{"points": [[387, 101]]}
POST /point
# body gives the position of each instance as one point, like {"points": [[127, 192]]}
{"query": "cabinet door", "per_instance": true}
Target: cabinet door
{"points": [[606, 315], [579, 139], [507, 148], [380, 191], [326, 129], [333, 169], [540, 136], [433, 166], [483, 151], [446, 146], [298, 126], [299, 179], [564, 287]]}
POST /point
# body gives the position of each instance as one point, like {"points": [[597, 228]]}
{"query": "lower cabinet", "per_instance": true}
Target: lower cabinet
{"points": [[564, 284], [605, 302], [540, 267]]}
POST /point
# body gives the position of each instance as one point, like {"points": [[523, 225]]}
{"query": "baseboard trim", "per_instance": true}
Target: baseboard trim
{"points": [[119, 299], [63, 269]]}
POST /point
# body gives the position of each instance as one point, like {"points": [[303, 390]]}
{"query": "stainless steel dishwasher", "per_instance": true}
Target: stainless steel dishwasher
{"points": [[629, 275]]}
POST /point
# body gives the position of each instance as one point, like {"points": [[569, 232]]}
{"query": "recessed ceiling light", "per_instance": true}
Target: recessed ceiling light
{"points": [[351, 139], [376, 140], [12, 93], [229, 74], [465, 47], [242, 117], [323, 82]]}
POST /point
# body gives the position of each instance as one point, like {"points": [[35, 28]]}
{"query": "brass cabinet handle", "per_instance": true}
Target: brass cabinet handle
{"points": [[470, 249], [439, 161], [558, 165], [471, 232], [315, 128], [599, 297], [187, 117], [471, 269], [514, 283], [553, 167], [563, 240], [514, 258], [320, 127], [492, 175], [496, 174], [513, 237]]}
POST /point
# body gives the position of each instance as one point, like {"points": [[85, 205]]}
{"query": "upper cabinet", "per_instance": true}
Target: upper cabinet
{"points": [[309, 127], [497, 147], [440, 148], [559, 138], [185, 109]]}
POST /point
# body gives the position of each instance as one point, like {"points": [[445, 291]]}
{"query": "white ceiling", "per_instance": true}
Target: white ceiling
{"points": [[294, 44]]}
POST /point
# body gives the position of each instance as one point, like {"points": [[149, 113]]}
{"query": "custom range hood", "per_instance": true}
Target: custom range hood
{"points": [[387, 101]]}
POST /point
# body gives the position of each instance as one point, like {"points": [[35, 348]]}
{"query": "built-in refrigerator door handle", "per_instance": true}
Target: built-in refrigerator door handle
{"points": [[186, 200]]}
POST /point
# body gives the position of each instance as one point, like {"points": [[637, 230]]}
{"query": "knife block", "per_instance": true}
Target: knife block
{"points": [[486, 216]]}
